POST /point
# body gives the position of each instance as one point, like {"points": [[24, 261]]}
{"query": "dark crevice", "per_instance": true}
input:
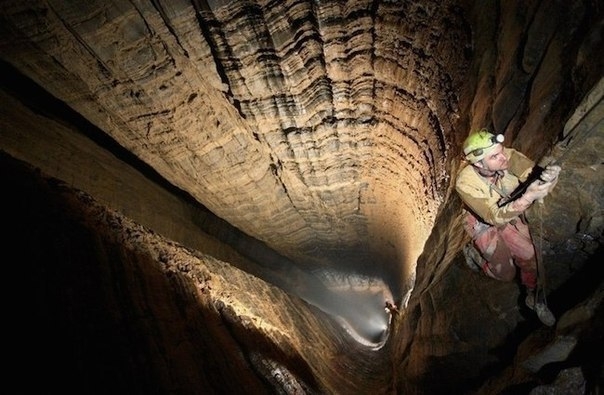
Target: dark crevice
{"points": [[171, 29], [206, 27]]}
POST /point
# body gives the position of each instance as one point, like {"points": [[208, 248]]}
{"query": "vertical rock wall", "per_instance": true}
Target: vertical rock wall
{"points": [[530, 80], [320, 128]]}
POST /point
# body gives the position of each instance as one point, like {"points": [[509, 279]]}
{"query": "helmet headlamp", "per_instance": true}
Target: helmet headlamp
{"points": [[495, 139], [478, 144]]}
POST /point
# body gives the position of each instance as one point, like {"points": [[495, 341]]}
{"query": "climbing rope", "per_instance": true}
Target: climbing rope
{"points": [[541, 283]]}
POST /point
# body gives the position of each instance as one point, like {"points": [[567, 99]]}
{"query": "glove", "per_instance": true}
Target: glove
{"points": [[550, 173], [537, 190]]}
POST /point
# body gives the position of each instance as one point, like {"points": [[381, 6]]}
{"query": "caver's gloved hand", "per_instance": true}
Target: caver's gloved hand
{"points": [[550, 173], [537, 190]]}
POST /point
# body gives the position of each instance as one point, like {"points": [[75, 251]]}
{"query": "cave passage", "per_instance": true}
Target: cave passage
{"points": [[356, 301]]}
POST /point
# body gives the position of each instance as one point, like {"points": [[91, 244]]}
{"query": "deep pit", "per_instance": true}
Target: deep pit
{"points": [[202, 188]]}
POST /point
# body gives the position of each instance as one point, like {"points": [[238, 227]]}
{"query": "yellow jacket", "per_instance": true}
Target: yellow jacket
{"points": [[481, 197]]}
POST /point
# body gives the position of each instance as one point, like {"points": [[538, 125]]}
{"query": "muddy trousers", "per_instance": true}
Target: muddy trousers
{"points": [[503, 249]]}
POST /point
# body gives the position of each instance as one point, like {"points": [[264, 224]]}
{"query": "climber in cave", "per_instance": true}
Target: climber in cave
{"points": [[501, 241]]}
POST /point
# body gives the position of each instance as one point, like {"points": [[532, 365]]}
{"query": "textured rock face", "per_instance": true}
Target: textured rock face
{"points": [[317, 128], [329, 131]]}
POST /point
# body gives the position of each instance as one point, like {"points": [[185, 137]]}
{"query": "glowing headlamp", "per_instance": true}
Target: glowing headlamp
{"points": [[495, 139]]}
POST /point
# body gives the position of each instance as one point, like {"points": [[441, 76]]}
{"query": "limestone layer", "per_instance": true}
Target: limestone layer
{"points": [[316, 127]]}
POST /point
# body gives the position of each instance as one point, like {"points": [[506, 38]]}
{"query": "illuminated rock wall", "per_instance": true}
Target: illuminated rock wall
{"points": [[318, 128]]}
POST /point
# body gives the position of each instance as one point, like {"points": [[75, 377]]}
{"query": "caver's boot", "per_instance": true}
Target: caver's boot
{"points": [[536, 302]]}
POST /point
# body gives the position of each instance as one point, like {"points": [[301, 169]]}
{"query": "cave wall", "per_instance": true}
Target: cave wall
{"points": [[113, 307], [317, 127], [531, 82]]}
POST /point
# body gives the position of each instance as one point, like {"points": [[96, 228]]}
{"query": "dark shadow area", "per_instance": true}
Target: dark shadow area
{"points": [[86, 323], [586, 355], [581, 285]]}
